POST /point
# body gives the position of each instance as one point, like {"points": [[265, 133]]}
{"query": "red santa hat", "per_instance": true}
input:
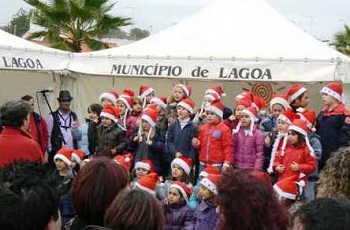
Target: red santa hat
{"points": [[309, 116], [64, 154], [209, 170], [128, 101], [300, 126], [258, 102], [110, 112], [333, 89], [290, 187], [183, 188], [244, 102], [211, 97], [78, 155], [186, 88], [124, 160], [148, 183], [128, 93], [211, 182], [145, 164], [184, 162], [150, 115], [245, 94], [281, 100], [187, 104], [216, 89], [110, 95], [216, 107], [145, 90], [253, 114], [295, 91], [160, 101], [288, 116]]}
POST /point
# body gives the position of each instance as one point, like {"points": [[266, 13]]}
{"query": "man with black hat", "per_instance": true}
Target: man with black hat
{"points": [[62, 126]]}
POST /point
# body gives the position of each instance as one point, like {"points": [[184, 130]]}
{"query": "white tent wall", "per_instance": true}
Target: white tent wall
{"points": [[91, 86], [16, 83]]}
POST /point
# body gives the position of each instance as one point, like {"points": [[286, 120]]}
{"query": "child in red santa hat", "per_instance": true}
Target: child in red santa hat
{"points": [[177, 213], [109, 98], [125, 104], [148, 140], [248, 142], [161, 102], [298, 98], [146, 93], [333, 122], [214, 140], [296, 155], [110, 138], [178, 93]]}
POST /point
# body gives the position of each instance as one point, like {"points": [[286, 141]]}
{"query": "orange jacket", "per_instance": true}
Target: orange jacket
{"points": [[215, 143]]}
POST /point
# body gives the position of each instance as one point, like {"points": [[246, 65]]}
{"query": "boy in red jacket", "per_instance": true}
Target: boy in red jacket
{"points": [[214, 140]]}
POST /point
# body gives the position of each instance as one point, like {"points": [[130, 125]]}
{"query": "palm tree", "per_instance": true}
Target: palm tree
{"points": [[342, 41], [70, 23]]}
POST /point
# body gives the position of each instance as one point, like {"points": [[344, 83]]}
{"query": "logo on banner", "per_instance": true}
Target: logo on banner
{"points": [[23, 63]]}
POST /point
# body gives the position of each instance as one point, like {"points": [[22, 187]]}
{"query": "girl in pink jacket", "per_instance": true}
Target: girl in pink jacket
{"points": [[248, 142]]}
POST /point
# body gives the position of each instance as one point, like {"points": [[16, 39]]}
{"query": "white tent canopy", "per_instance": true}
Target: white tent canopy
{"points": [[227, 40], [20, 54]]}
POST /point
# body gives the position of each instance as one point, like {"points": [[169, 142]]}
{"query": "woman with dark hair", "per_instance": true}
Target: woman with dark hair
{"points": [[94, 188], [247, 203], [135, 210]]}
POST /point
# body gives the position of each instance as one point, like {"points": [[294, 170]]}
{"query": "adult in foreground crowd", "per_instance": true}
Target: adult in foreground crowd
{"points": [[29, 199], [37, 125], [247, 203], [15, 140], [324, 213], [94, 188], [335, 177]]}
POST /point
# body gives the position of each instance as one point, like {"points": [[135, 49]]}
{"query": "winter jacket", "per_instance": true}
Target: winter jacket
{"points": [[300, 155], [154, 152], [109, 138], [205, 216], [177, 217], [16, 144], [334, 129], [215, 143], [92, 133], [83, 143], [38, 130], [315, 143], [181, 140], [248, 151], [268, 124]]}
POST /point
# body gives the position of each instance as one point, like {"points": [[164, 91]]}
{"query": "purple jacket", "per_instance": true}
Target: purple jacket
{"points": [[205, 216], [248, 151], [178, 217]]}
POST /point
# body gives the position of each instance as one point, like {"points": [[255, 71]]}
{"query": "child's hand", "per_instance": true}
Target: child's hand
{"points": [[280, 168], [114, 151], [149, 142], [294, 166], [226, 167], [195, 142], [267, 141], [136, 138], [178, 154]]}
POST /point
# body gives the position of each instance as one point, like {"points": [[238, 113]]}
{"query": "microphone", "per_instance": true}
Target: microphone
{"points": [[49, 90]]}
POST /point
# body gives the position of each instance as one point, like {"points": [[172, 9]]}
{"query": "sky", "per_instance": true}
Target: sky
{"points": [[321, 18]]}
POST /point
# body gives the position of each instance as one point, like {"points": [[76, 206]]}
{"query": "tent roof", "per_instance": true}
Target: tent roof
{"points": [[247, 31], [18, 53]]}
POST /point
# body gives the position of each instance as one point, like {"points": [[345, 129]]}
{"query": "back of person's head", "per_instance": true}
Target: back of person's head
{"points": [[247, 203], [323, 213], [135, 210], [335, 177], [95, 187], [13, 113], [29, 199]]}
